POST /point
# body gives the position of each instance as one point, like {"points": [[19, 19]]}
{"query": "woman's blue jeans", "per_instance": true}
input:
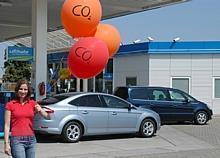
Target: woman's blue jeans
{"points": [[23, 146]]}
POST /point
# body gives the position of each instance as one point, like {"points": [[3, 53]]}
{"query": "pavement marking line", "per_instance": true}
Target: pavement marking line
{"points": [[167, 140]]}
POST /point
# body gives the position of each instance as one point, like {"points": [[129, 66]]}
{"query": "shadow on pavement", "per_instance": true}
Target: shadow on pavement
{"points": [[43, 138], [185, 123]]}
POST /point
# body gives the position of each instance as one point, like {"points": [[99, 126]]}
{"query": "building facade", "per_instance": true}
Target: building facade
{"points": [[100, 83]]}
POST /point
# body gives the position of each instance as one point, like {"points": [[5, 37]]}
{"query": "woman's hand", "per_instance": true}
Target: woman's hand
{"points": [[39, 109], [7, 149]]}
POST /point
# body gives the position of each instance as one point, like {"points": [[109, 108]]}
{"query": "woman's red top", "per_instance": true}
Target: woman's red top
{"points": [[21, 117]]}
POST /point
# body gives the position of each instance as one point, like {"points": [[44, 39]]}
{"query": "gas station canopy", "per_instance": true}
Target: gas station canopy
{"points": [[15, 17], [37, 24]]}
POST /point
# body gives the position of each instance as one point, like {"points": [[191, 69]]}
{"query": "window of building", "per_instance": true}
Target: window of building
{"points": [[64, 65], [131, 81], [91, 84], [108, 87], [109, 67], [217, 87], [108, 77], [181, 83], [99, 82]]}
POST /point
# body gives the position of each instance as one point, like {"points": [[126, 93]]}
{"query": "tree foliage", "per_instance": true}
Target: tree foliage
{"points": [[15, 70]]}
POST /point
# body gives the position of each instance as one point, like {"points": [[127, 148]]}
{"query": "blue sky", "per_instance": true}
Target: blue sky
{"points": [[196, 20]]}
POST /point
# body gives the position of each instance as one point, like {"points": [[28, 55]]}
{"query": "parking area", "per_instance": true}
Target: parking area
{"points": [[174, 140]]}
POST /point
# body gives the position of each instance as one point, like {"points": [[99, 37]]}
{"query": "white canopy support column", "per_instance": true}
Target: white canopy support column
{"points": [[85, 85], [94, 87], [77, 84], [39, 43]]}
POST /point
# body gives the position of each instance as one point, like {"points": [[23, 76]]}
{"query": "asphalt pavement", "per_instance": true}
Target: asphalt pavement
{"points": [[172, 141]]}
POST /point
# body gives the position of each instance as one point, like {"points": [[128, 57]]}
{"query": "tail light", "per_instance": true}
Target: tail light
{"points": [[48, 110]]}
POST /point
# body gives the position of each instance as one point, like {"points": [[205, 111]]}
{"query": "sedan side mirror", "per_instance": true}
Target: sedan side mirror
{"points": [[130, 107]]}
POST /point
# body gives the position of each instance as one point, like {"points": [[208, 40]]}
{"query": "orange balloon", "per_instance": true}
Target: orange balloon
{"points": [[81, 17], [110, 35]]}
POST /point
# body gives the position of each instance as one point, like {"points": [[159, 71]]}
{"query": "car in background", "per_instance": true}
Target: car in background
{"points": [[5, 96], [171, 104], [73, 115]]}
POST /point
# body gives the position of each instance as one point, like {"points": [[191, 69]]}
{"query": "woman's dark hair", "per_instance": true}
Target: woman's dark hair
{"points": [[18, 85]]}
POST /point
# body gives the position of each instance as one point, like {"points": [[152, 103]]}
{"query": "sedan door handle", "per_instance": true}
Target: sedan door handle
{"points": [[114, 113], [85, 112]]}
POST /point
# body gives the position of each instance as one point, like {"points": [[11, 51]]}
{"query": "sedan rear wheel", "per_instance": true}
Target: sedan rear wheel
{"points": [[72, 132], [201, 118], [147, 128]]}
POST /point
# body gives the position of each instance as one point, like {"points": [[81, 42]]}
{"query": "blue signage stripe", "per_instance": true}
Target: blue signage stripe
{"points": [[20, 53]]}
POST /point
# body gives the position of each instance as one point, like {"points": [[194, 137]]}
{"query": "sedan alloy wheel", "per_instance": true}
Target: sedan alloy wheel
{"points": [[147, 128], [72, 132]]}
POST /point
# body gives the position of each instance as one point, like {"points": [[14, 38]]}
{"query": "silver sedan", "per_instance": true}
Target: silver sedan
{"points": [[73, 115]]}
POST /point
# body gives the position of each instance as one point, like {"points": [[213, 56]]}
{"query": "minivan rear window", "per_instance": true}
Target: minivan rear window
{"points": [[121, 92]]}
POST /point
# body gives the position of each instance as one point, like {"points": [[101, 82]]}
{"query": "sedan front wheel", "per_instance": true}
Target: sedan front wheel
{"points": [[147, 128]]}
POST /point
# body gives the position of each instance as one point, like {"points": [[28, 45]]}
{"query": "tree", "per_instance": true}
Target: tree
{"points": [[15, 70]]}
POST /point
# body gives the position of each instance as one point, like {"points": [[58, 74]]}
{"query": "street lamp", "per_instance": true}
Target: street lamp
{"points": [[136, 41], [176, 39], [150, 38]]}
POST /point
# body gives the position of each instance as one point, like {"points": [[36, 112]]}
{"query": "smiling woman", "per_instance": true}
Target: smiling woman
{"points": [[19, 115]]}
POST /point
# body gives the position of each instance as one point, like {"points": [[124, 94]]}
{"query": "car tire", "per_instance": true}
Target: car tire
{"points": [[72, 132], [147, 128], [201, 118]]}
